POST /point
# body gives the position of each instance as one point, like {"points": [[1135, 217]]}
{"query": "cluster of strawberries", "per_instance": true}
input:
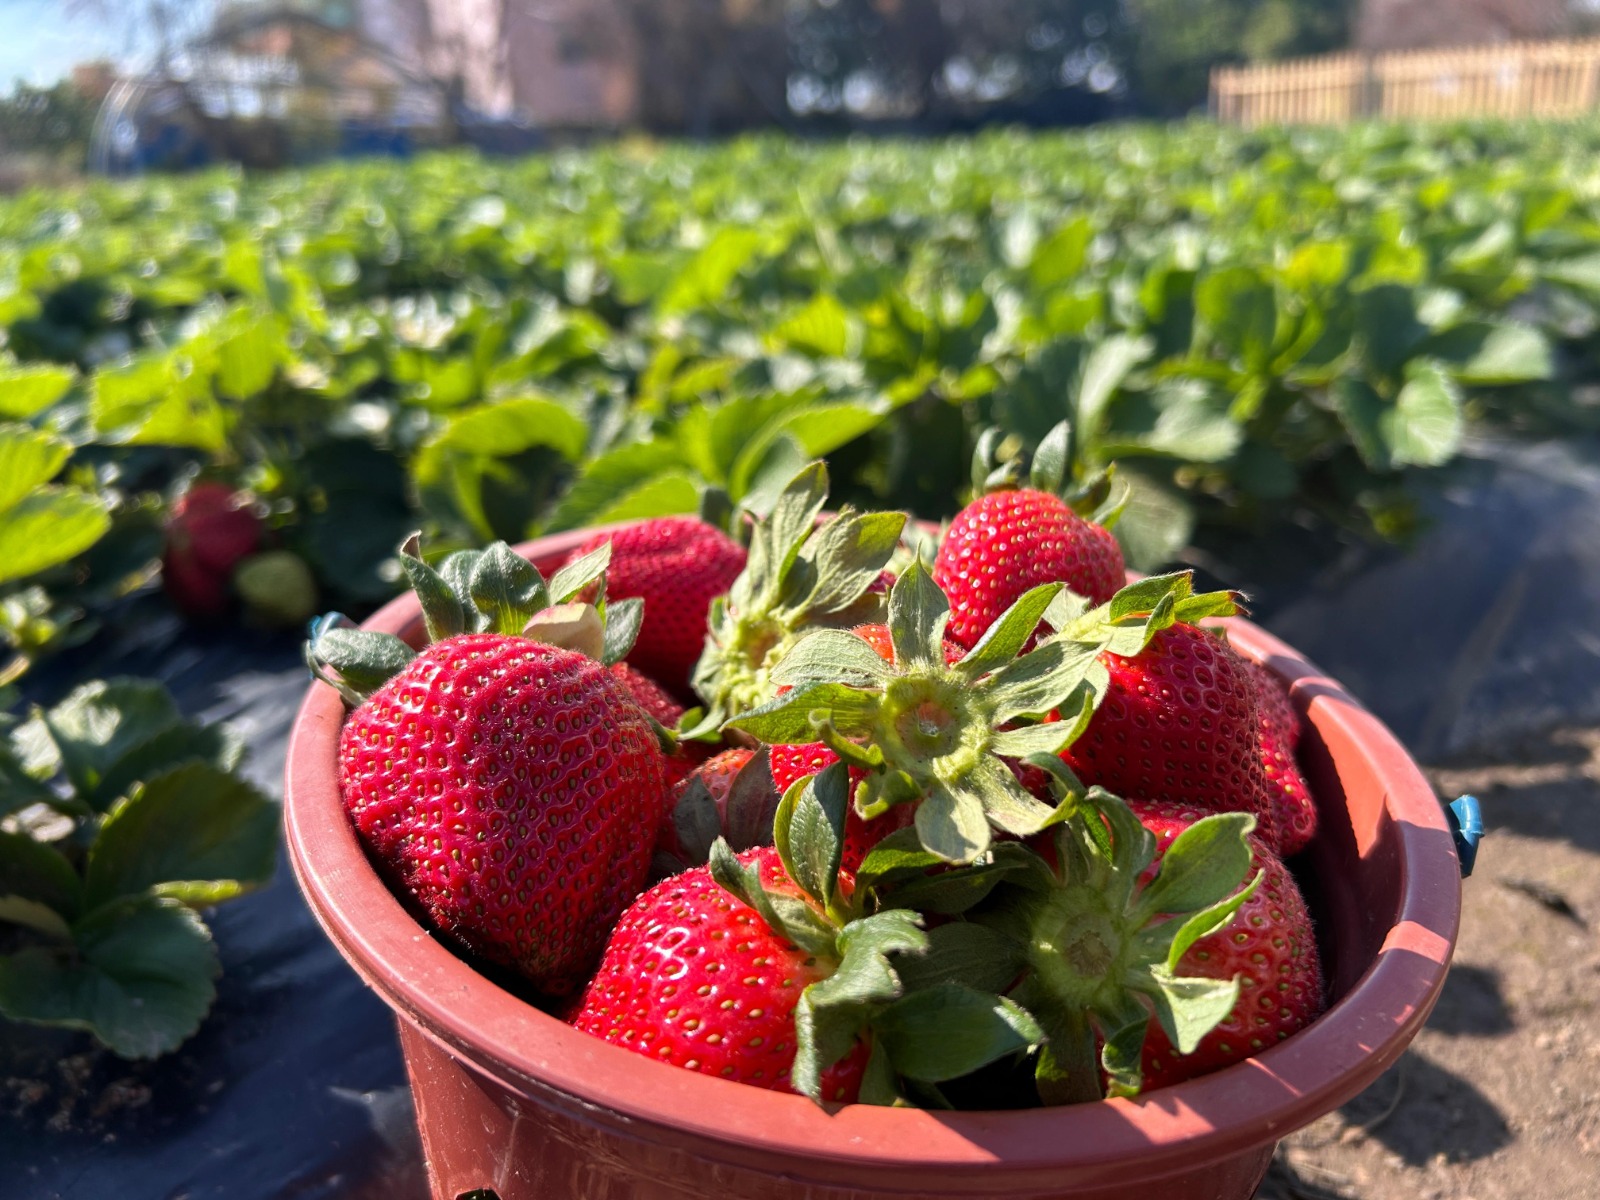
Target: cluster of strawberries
{"points": [[1004, 831]]}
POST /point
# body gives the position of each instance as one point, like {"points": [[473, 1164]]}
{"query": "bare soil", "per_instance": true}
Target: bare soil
{"points": [[1499, 1097]]}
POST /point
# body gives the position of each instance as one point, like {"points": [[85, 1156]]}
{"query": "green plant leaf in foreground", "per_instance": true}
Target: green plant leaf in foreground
{"points": [[139, 974], [195, 833]]}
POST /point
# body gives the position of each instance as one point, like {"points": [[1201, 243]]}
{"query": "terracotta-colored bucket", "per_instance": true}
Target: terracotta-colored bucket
{"points": [[511, 1099]]}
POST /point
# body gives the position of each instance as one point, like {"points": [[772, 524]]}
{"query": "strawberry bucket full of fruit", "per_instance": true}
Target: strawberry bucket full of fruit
{"points": [[822, 856]]}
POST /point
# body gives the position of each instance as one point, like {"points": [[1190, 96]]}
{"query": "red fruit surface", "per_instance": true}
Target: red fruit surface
{"points": [[209, 531], [503, 784], [1278, 715], [695, 978], [677, 566], [655, 700], [1269, 945], [648, 694], [1179, 722], [1004, 543], [1294, 813]]}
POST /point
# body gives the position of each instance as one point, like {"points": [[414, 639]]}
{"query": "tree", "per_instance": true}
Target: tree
{"points": [[53, 121]]}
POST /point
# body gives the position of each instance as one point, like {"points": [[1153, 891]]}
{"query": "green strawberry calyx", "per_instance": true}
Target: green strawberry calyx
{"points": [[938, 735], [999, 463], [918, 1036], [1094, 954], [493, 590], [801, 575]]}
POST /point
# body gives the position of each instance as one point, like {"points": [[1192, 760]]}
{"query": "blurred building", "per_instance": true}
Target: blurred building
{"points": [[554, 64], [1419, 24]]}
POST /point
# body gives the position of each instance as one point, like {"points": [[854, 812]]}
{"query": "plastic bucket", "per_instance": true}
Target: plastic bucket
{"points": [[510, 1098]]}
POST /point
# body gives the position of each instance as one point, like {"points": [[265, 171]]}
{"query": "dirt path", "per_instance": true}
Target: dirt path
{"points": [[1499, 1098]]}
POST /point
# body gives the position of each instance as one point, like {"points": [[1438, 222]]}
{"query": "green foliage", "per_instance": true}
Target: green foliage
{"points": [[121, 820], [1253, 325]]}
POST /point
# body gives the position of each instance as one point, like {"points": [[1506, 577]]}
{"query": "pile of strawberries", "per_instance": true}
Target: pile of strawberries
{"points": [[797, 808]]}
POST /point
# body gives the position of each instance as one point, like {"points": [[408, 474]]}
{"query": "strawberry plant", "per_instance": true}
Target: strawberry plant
{"points": [[120, 823]]}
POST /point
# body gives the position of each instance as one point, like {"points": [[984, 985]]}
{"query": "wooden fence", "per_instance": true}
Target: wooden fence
{"points": [[1510, 79]]}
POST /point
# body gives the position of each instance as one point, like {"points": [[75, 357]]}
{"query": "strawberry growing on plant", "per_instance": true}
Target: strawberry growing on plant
{"points": [[209, 531], [677, 566], [1013, 538], [502, 775]]}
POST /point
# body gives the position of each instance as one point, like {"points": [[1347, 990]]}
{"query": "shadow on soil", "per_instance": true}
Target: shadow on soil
{"points": [[1457, 1120], [1472, 1003], [1544, 786]]}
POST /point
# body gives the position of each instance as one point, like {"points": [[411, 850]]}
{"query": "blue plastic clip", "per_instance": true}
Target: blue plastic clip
{"points": [[1466, 826]]}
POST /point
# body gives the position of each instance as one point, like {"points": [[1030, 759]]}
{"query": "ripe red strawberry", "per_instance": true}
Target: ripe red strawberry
{"points": [[209, 530], [1179, 721], [1268, 946], [501, 776], [503, 783], [677, 566], [1278, 715], [694, 977], [1006, 542], [654, 699]]}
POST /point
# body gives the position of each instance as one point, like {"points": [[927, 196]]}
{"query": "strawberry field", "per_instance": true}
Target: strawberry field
{"points": [[229, 399], [1256, 326]]}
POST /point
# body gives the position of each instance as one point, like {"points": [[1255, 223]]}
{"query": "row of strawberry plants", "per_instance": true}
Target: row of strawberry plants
{"points": [[1252, 324]]}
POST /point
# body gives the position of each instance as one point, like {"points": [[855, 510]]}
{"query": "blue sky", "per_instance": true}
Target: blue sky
{"points": [[40, 40]]}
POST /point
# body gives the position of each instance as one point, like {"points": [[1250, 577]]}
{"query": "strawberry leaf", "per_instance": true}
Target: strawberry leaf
{"points": [[1003, 640], [808, 830], [196, 833], [1203, 866], [949, 1030], [965, 953], [141, 978], [577, 575], [752, 806], [831, 656], [623, 620], [788, 720], [953, 825], [834, 1012], [918, 614], [365, 660], [38, 874], [1188, 1007]]}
